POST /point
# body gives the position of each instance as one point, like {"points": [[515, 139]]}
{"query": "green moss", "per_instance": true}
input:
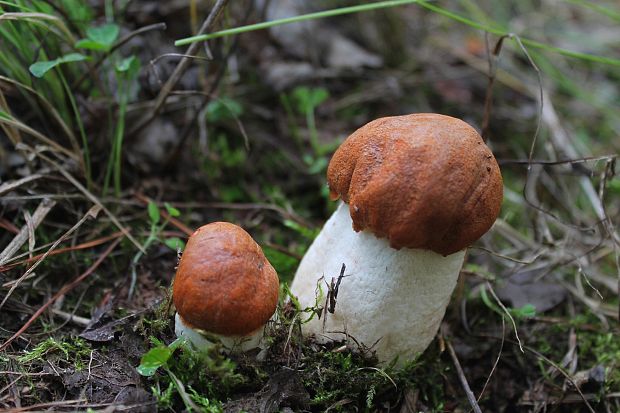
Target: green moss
{"points": [[157, 323], [73, 350], [601, 349], [332, 376]]}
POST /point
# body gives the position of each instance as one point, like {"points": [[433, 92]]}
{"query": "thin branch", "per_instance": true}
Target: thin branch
{"points": [[470, 394], [180, 68], [497, 359], [512, 320]]}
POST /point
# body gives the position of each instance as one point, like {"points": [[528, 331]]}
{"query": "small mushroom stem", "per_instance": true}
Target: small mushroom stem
{"points": [[391, 301], [230, 344]]}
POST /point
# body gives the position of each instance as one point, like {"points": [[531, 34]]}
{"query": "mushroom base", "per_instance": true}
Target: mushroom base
{"points": [[230, 344], [390, 301]]}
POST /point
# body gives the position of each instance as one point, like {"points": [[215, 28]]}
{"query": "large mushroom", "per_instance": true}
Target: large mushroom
{"points": [[418, 189], [225, 289]]}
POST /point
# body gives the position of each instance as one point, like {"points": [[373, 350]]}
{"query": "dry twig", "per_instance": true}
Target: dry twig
{"points": [[459, 370], [180, 68], [37, 218]]}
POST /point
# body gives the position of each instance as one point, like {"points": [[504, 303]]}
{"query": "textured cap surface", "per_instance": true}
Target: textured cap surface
{"points": [[224, 283], [423, 181]]}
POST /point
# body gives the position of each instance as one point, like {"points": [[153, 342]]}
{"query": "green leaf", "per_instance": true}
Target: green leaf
{"points": [[318, 96], [614, 186], [154, 359], [177, 343], [318, 165], [527, 311], [5, 115], [153, 212], [172, 210], [222, 109], [99, 38], [126, 64], [39, 69], [104, 35], [309, 233], [89, 44], [307, 99], [157, 357], [174, 243]]}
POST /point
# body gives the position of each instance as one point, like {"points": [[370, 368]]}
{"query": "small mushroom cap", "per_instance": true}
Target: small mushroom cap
{"points": [[224, 283], [423, 181]]}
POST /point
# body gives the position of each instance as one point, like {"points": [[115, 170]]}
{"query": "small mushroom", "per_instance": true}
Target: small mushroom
{"points": [[420, 188], [225, 289]]}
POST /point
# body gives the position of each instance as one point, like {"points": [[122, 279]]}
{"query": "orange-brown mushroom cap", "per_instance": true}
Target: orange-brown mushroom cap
{"points": [[224, 283], [423, 181]]}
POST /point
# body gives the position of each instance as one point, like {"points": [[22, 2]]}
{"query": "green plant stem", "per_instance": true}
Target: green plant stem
{"points": [[290, 117], [114, 163], [134, 262], [314, 135], [295, 19], [80, 125], [153, 236], [120, 132], [385, 4]]}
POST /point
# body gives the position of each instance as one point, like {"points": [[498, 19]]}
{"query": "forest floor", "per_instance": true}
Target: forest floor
{"points": [[115, 145]]}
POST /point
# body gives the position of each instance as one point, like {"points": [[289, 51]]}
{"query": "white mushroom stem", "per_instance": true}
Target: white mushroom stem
{"points": [[390, 300], [201, 341]]}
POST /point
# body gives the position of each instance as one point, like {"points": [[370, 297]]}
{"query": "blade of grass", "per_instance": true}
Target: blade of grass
{"points": [[36, 134], [85, 159], [295, 19], [10, 131], [41, 19], [525, 41], [15, 59], [17, 6], [51, 110], [385, 4], [20, 35], [113, 169], [605, 11]]}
